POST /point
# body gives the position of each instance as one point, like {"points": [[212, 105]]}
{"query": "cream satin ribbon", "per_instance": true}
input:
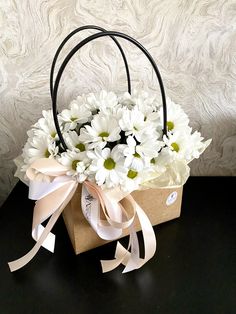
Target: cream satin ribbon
{"points": [[112, 210], [54, 191]]}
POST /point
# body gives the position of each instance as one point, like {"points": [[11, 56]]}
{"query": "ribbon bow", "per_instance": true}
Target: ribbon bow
{"points": [[52, 189]]}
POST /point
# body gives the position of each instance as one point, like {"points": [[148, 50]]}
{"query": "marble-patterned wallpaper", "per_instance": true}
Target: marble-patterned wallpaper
{"points": [[193, 42]]}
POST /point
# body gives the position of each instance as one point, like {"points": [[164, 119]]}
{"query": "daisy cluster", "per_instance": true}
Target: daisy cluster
{"points": [[115, 141]]}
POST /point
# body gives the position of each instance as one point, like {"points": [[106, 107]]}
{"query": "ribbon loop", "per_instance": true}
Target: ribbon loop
{"points": [[53, 189]]}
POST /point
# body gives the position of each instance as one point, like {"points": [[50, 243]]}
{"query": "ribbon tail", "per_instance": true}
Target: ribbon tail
{"points": [[131, 260], [121, 257], [149, 237], [49, 242], [21, 262]]}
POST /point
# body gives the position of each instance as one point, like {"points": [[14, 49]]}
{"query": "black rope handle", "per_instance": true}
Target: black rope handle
{"points": [[80, 45], [77, 30]]}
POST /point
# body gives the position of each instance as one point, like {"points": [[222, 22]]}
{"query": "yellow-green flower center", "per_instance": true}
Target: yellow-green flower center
{"points": [[136, 155], [46, 154], [73, 118], [109, 164], [132, 174], [103, 134], [175, 147], [81, 147], [170, 125], [74, 164], [153, 161], [53, 134]]}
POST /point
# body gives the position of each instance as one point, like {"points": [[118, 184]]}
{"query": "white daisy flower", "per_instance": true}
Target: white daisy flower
{"points": [[186, 145], [31, 134], [179, 144], [101, 101], [132, 180], [39, 147], [141, 99], [164, 158], [150, 148], [126, 100], [77, 113], [159, 163], [133, 159], [157, 167], [133, 123], [76, 164], [148, 106], [107, 166], [177, 120], [73, 142], [103, 129], [197, 144], [46, 125]]}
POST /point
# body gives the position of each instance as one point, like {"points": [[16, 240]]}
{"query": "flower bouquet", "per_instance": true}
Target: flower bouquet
{"points": [[106, 146]]}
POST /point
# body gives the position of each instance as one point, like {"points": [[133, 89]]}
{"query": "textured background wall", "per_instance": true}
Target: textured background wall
{"points": [[193, 42]]}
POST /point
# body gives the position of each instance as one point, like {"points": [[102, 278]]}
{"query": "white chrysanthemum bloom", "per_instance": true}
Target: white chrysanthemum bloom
{"points": [[101, 101], [103, 129], [39, 147], [132, 180], [46, 125], [184, 145], [126, 100], [141, 99], [150, 148], [133, 159], [158, 164], [78, 113], [116, 111], [31, 134], [73, 142], [76, 164], [107, 165], [165, 157], [179, 144], [148, 106], [156, 167], [197, 144], [133, 123], [177, 120]]}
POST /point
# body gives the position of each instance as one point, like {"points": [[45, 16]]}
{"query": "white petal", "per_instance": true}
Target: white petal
{"points": [[101, 176]]}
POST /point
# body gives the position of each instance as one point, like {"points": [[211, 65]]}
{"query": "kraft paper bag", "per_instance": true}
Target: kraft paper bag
{"points": [[160, 205]]}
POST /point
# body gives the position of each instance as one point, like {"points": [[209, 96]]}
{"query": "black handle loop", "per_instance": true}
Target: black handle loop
{"points": [[77, 30], [80, 45]]}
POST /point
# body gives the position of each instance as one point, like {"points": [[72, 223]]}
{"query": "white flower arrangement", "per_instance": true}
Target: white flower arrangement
{"points": [[115, 141]]}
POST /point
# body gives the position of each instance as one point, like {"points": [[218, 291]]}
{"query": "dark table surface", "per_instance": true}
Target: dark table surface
{"points": [[193, 270]]}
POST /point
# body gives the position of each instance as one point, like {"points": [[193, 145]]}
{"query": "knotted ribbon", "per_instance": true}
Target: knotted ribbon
{"points": [[52, 189]]}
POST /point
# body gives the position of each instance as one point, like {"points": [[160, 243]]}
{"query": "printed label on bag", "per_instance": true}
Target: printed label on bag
{"points": [[171, 198], [88, 204]]}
